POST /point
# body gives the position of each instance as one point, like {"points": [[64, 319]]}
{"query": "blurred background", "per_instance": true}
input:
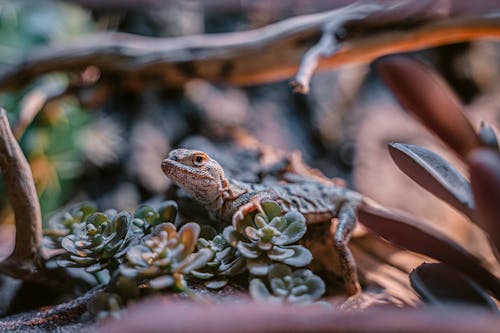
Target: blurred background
{"points": [[108, 149]]}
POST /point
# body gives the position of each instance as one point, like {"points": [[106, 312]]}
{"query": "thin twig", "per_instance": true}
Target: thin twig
{"points": [[328, 44], [24, 200]]}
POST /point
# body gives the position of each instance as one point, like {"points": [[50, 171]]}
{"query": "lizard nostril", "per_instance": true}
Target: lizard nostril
{"points": [[173, 157]]}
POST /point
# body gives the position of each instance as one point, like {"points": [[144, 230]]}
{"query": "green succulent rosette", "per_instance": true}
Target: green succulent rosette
{"points": [[285, 285], [97, 242], [165, 256], [146, 217], [64, 223], [225, 261], [267, 237]]}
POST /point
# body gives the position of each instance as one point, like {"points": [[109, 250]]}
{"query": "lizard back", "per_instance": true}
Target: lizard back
{"points": [[316, 201]]}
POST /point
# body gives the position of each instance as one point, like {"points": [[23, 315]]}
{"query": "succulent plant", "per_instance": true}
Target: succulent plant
{"points": [[146, 216], [225, 261], [284, 285], [64, 223], [98, 242], [265, 237], [164, 256]]}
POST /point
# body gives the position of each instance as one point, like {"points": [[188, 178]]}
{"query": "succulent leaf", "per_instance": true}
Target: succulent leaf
{"points": [[300, 258], [259, 291], [258, 267], [271, 209]]}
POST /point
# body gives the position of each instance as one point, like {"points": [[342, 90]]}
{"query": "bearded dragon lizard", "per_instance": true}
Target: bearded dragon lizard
{"points": [[229, 200]]}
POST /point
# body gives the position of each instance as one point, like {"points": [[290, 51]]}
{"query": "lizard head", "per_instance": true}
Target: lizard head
{"points": [[198, 174]]}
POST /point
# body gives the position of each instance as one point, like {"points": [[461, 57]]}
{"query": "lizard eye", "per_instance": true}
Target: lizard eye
{"points": [[199, 160]]}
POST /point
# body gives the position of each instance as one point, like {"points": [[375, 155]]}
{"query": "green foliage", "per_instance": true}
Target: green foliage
{"points": [[266, 237], [284, 285], [225, 261], [165, 256], [50, 141], [25, 25], [98, 242]]}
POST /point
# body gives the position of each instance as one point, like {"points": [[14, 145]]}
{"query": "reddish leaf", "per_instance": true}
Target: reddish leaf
{"points": [[434, 174], [407, 232], [422, 92], [485, 180]]}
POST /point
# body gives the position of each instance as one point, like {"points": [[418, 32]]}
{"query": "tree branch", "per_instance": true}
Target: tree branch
{"points": [[270, 53], [24, 200]]}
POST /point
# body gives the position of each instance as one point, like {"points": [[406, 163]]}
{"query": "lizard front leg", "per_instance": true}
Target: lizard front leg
{"points": [[253, 205], [346, 225]]}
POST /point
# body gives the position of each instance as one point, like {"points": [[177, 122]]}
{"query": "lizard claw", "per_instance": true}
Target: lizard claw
{"points": [[244, 210]]}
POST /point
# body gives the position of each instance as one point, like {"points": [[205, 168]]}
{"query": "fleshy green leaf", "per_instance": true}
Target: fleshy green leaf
{"points": [[168, 211], [278, 253], [300, 258], [272, 209], [248, 250], [196, 260], [258, 267], [294, 231], [162, 282], [259, 291], [188, 235], [216, 283]]}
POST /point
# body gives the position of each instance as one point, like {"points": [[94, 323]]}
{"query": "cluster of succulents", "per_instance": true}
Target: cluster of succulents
{"points": [[97, 242], [263, 243], [287, 285], [145, 253], [165, 256], [267, 237], [225, 261]]}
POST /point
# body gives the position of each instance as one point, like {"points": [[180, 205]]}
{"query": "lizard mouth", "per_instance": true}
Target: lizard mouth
{"points": [[167, 165]]}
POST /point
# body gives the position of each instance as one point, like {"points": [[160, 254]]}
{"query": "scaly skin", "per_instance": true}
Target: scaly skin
{"points": [[229, 200]]}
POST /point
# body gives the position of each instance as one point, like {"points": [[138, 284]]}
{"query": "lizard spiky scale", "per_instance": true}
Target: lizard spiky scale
{"points": [[226, 199]]}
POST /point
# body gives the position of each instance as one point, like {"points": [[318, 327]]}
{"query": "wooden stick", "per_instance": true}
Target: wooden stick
{"points": [[24, 200]]}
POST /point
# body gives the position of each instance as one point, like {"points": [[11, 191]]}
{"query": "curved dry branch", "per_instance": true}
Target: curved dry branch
{"points": [[267, 54], [24, 200]]}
